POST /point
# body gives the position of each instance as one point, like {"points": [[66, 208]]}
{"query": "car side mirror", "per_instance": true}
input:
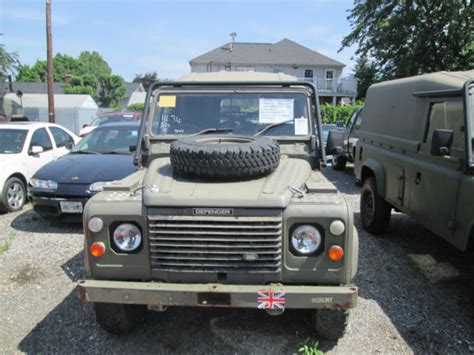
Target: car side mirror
{"points": [[441, 142], [69, 146], [85, 125], [36, 149], [132, 148]]}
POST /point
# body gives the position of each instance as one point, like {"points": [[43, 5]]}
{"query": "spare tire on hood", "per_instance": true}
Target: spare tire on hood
{"points": [[229, 157]]}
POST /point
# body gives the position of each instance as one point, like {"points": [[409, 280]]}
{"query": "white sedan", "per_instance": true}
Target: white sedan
{"points": [[24, 148]]}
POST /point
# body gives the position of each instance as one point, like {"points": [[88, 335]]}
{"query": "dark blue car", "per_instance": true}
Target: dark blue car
{"points": [[60, 189]]}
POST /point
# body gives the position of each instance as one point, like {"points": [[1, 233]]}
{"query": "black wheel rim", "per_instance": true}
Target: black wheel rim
{"points": [[368, 207]]}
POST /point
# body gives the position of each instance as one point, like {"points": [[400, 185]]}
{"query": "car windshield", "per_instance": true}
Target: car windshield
{"points": [[107, 140], [272, 114], [101, 120], [12, 140]]}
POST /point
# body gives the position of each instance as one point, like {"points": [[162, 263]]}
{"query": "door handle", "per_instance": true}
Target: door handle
{"points": [[418, 178]]}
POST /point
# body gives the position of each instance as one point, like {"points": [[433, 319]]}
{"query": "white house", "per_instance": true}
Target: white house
{"points": [[71, 111], [284, 56]]}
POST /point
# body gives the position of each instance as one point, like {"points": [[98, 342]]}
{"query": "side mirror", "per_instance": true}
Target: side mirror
{"points": [[441, 142], [69, 146], [19, 93], [36, 149], [132, 148], [85, 125]]}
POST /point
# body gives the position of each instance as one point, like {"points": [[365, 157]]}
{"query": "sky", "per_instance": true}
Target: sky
{"points": [[138, 36]]}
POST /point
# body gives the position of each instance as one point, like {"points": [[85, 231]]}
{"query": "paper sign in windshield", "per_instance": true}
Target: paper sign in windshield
{"points": [[167, 101], [275, 110], [301, 126]]}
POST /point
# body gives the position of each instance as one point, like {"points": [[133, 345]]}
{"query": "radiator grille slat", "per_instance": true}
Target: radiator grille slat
{"points": [[215, 244]]}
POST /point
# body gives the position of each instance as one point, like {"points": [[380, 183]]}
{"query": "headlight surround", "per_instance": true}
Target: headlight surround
{"points": [[127, 237], [49, 185], [97, 186], [306, 239]]}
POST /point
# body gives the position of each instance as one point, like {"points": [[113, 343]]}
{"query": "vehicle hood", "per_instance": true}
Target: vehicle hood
{"points": [[86, 169], [165, 189]]}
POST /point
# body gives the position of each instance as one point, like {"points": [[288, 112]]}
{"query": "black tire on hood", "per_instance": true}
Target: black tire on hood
{"points": [[224, 157]]}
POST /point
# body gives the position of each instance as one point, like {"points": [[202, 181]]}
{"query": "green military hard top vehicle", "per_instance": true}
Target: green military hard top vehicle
{"points": [[415, 154], [227, 209], [341, 143]]}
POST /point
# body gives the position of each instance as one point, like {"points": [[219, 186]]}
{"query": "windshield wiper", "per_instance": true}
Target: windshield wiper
{"points": [[83, 152], [209, 130], [271, 125]]}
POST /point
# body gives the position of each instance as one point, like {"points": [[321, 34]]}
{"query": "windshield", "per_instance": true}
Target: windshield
{"points": [[238, 113], [108, 141], [101, 120], [12, 140]]}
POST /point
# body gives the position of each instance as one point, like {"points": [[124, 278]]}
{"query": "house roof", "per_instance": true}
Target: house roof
{"points": [[137, 97], [133, 87], [36, 88], [60, 101], [279, 53]]}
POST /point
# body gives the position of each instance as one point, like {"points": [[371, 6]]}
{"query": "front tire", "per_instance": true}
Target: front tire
{"points": [[338, 162], [13, 196], [330, 324], [374, 210], [118, 318]]}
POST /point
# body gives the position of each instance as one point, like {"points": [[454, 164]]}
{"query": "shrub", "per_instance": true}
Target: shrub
{"points": [[332, 113]]}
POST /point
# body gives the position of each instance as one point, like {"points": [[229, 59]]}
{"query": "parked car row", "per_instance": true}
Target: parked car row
{"points": [[48, 164]]}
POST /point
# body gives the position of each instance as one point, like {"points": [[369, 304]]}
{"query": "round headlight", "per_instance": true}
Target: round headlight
{"points": [[306, 239], [337, 227], [127, 237]]}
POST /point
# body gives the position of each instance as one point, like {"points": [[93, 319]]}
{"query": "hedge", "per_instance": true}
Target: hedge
{"points": [[332, 113]]}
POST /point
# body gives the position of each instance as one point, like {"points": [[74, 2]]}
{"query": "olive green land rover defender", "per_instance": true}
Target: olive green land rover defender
{"points": [[415, 154], [227, 209]]}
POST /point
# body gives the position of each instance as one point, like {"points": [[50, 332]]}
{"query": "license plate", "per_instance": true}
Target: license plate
{"points": [[71, 206]]}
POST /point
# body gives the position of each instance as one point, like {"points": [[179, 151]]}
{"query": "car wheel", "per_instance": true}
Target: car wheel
{"points": [[118, 318], [330, 324], [14, 195], [374, 210], [338, 162]]}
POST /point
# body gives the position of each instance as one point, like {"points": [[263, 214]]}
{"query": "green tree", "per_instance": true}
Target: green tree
{"points": [[9, 61], [366, 74], [93, 63], [411, 37], [35, 73], [82, 84], [112, 91]]}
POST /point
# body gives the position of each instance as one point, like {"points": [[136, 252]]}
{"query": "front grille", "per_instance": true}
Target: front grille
{"points": [[215, 244]]}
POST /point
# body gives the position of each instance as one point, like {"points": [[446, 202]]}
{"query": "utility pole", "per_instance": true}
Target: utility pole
{"points": [[49, 50]]}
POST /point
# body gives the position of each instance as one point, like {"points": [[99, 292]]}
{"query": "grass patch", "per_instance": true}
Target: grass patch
{"points": [[310, 348], [4, 245]]}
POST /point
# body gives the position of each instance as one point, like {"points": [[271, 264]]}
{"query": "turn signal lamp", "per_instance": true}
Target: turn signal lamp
{"points": [[335, 253], [97, 249]]}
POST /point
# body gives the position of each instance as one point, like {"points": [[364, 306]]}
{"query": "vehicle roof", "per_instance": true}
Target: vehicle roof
{"points": [[237, 77], [26, 125], [119, 125], [119, 113], [398, 108]]}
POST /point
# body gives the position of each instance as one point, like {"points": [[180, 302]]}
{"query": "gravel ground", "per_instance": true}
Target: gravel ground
{"points": [[414, 298]]}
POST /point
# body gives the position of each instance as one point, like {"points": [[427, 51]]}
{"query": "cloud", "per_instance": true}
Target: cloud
{"points": [[36, 16]]}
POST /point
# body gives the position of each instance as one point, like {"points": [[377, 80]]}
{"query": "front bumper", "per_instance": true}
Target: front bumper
{"points": [[214, 295], [49, 207]]}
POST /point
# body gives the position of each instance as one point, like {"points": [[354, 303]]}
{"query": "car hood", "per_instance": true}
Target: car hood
{"points": [[86, 169], [268, 191]]}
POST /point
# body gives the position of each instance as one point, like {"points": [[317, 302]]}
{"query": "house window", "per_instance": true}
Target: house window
{"points": [[330, 79], [242, 68], [308, 73], [277, 70]]}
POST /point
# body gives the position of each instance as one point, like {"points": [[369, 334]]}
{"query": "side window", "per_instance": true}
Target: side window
{"points": [[41, 138], [61, 137], [358, 121], [448, 115]]}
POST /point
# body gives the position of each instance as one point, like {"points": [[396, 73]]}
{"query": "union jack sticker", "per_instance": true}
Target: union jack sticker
{"points": [[271, 300]]}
